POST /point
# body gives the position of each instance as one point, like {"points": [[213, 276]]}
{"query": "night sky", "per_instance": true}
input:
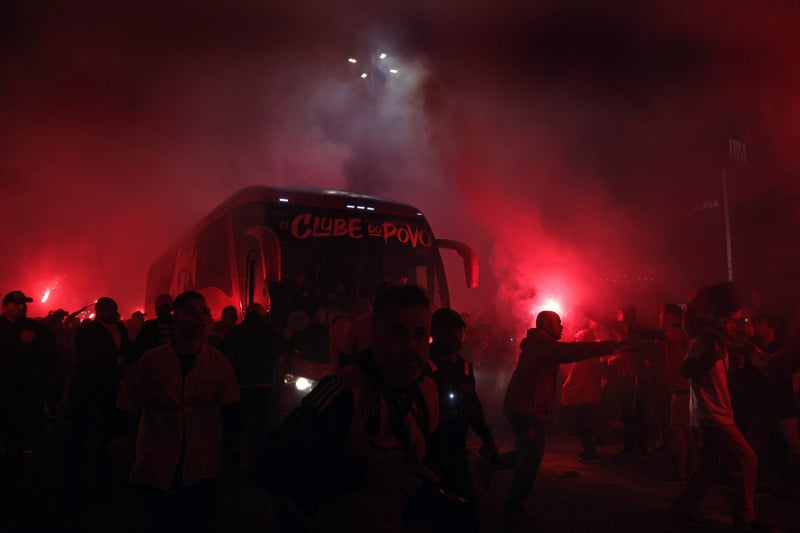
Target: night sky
{"points": [[570, 143]]}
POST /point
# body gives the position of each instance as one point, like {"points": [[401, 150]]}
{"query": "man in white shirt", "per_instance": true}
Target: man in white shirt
{"points": [[706, 365], [186, 398]]}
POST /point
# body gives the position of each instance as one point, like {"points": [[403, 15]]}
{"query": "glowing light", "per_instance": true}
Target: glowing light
{"points": [[351, 60], [552, 305], [300, 383], [382, 56], [363, 75], [91, 316], [548, 304], [284, 200], [393, 70], [452, 396], [303, 384], [46, 295]]}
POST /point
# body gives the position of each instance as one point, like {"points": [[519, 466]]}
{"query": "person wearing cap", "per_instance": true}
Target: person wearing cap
{"points": [[156, 331], [530, 397], [27, 353], [460, 408]]}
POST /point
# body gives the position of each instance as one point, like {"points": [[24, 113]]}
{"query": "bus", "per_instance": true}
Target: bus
{"points": [[313, 259]]}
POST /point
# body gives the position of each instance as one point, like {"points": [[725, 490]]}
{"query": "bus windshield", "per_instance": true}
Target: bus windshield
{"points": [[333, 264]]}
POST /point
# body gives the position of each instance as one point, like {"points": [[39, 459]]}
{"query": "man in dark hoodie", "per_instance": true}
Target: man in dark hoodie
{"points": [[27, 352], [530, 396]]}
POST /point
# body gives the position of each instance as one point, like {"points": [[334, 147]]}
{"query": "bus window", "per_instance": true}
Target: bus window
{"points": [[327, 279], [213, 252], [418, 265]]}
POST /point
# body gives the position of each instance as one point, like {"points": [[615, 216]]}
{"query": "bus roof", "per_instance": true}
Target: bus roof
{"points": [[310, 197]]}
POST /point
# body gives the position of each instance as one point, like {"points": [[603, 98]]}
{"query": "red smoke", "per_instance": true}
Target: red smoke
{"points": [[566, 143]]}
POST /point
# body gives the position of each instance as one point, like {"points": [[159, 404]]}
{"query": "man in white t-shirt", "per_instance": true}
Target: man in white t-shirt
{"points": [[706, 365]]}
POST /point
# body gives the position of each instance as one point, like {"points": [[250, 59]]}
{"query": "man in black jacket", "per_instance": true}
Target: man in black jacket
{"points": [[156, 331], [459, 406], [249, 349], [102, 344], [352, 456], [27, 353]]}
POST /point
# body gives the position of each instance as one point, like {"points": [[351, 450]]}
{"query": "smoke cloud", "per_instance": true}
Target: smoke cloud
{"points": [[571, 145]]}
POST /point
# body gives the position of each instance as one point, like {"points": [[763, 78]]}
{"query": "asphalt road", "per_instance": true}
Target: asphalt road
{"points": [[569, 496], [613, 495]]}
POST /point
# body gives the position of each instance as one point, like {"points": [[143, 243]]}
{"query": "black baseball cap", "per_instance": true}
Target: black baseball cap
{"points": [[446, 317], [16, 297]]}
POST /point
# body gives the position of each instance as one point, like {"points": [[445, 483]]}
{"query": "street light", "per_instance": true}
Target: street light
{"points": [[375, 69], [737, 151]]}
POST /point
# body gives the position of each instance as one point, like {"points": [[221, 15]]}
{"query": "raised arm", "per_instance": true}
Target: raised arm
{"points": [[571, 352]]}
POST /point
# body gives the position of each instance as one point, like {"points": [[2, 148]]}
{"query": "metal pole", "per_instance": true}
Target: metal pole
{"points": [[727, 223]]}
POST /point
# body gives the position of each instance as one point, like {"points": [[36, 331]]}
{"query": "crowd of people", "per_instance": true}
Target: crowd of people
{"points": [[170, 404]]}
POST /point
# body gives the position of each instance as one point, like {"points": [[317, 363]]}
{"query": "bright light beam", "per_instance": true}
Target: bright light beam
{"points": [[46, 295], [551, 305], [382, 56], [351, 60]]}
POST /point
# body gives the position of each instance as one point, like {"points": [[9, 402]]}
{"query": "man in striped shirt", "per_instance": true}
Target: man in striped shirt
{"points": [[352, 456]]}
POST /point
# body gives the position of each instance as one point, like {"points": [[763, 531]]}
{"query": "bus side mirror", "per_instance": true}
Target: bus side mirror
{"points": [[467, 255], [270, 248]]}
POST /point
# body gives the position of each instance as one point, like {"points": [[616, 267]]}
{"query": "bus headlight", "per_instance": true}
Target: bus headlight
{"points": [[303, 384], [300, 383]]}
